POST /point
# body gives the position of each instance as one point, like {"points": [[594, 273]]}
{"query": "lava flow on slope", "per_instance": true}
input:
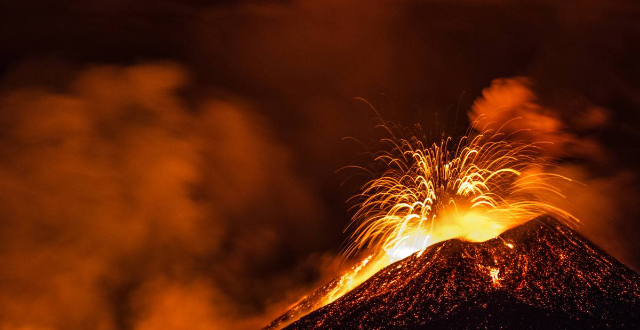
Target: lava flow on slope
{"points": [[539, 275]]}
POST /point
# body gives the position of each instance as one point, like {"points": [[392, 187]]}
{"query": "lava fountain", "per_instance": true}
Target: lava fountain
{"points": [[471, 189]]}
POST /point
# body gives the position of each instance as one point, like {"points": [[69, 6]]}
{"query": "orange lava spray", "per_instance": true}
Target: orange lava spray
{"points": [[473, 189]]}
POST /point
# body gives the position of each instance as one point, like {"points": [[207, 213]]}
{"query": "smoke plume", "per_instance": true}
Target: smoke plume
{"points": [[124, 207], [600, 199]]}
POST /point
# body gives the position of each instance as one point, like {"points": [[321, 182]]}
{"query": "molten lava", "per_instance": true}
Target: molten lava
{"points": [[471, 190], [474, 190]]}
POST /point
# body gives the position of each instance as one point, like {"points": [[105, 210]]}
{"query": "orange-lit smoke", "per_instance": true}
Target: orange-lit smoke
{"points": [[124, 207], [603, 200]]}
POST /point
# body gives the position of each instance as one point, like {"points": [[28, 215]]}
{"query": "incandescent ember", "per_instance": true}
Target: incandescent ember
{"points": [[539, 275]]}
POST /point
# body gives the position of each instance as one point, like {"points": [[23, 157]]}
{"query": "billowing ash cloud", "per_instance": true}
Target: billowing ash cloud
{"points": [[125, 207]]}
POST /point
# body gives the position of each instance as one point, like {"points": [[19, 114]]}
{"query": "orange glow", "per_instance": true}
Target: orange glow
{"points": [[494, 273], [473, 190]]}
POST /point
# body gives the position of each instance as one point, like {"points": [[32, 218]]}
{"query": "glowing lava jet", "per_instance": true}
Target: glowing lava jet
{"points": [[474, 191], [471, 190]]}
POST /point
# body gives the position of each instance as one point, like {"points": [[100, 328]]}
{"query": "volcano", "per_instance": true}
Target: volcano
{"points": [[539, 275]]}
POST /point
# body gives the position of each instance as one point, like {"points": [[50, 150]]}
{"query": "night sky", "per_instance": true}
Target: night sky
{"points": [[176, 164]]}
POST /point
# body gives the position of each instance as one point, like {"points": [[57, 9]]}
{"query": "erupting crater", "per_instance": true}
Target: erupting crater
{"points": [[539, 275], [450, 244]]}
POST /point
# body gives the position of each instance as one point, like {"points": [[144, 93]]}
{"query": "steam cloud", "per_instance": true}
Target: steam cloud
{"points": [[123, 204]]}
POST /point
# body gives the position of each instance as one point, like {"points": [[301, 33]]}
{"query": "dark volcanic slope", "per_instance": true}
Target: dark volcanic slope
{"points": [[552, 278]]}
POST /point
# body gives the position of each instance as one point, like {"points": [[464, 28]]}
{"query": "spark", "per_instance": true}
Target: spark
{"points": [[473, 189]]}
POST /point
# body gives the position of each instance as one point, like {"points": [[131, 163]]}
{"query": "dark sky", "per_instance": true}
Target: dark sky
{"points": [[171, 158]]}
